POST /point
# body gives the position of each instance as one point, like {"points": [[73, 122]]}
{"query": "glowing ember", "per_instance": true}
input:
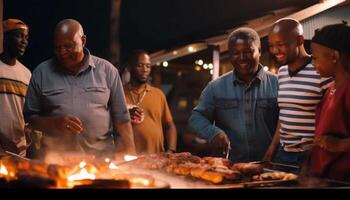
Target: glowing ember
{"points": [[141, 181], [107, 160], [129, 158], [3, 170], [83, 174], [113, 166]]}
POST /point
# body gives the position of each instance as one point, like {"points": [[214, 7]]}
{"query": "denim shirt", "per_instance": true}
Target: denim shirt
{"points": [[247, 113], [95, 95]]}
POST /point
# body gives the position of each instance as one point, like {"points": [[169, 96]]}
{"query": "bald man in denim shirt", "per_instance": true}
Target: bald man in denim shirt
{"points": [[77, 99]]}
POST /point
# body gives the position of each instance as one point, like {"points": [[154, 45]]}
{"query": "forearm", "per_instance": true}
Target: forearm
{"points": [[127, 136], [202, 126], [171, 136], [276, 137]]}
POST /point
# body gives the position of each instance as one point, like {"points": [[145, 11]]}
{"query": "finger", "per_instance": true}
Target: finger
{"points": [[74, 127], [75, 120]]}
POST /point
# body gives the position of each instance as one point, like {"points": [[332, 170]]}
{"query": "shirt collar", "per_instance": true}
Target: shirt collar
{"points": [[260, 76], [148, 87], [88, 61]]}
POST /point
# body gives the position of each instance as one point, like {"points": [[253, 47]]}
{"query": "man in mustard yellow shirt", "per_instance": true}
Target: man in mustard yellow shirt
{"points": [[148, 109]]}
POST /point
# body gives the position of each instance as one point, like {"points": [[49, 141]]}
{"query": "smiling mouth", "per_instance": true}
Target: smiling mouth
{"points": [[279, 57]]}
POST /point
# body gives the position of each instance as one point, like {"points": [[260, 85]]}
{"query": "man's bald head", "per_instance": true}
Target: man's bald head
{"points": [[69, 42], [288, 26], [69, 26], [286, 41]]}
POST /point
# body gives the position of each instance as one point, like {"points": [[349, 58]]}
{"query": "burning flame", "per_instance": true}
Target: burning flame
{"points": [[82, 174], [130, 158], [113, 166], [3, 170]]}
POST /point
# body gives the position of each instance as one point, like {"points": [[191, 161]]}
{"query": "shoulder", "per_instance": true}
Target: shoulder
{"points": [[270, 75], [157, 91], [24, 69], [222, 79], [44, 67], [103, 64]]}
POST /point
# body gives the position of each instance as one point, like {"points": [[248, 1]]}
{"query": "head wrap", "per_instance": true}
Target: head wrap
{"points": [[13, 24]]}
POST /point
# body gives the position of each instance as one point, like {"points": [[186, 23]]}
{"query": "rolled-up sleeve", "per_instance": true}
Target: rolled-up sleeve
{"points": [[119, 111], [202, 118]]}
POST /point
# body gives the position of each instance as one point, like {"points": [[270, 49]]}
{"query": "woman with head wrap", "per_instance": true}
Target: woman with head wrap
{"points": [[330, 158]]}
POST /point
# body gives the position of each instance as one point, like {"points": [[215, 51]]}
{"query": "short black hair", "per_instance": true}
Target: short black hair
{"points": [[134, 56], [334, 36], [244, 33]]}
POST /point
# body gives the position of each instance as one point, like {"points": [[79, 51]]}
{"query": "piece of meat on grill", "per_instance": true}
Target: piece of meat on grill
{"points": [[275, 176], [216, 161], [248, 168]]}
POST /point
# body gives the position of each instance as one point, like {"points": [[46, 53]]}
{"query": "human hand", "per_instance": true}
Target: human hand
{"points": [[328, 143], [136, 114], [69, 124], [221, 142]]}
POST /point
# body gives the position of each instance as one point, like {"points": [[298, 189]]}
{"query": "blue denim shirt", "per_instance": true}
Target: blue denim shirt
{"points": [[247, 113], [95, 95]]}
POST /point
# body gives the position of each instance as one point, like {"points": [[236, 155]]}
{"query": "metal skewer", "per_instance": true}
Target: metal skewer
{"points": [[16, 155]]}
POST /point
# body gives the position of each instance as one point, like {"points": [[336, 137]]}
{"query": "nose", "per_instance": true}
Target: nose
{"points": [[274, 49]]}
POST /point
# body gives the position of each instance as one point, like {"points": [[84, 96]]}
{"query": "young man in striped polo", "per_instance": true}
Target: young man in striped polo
{"points": [[300, 90]]}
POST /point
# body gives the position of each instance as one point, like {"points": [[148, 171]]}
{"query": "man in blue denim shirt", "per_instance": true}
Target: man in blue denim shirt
{"points": [[239, 108], [77, 99]]}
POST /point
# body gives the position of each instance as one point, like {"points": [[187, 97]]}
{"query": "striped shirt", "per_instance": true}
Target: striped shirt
{"points": [[298, 96], [14, 82]]}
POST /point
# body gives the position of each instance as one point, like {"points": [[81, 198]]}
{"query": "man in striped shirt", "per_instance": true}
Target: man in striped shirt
{"points": [[300, 90], [14, 80]]}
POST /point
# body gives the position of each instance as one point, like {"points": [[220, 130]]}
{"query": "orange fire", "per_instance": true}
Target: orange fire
{"points": [[82, 174]]}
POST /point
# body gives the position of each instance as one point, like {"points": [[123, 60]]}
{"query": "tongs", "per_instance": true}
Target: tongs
{"points": [[228, 149]]}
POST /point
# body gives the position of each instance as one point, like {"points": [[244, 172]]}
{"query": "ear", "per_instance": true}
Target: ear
{"points": [[335, 56], [83, 39], [300, 40]]}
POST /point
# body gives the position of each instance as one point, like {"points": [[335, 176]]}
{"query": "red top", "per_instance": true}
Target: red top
{"points": [[333, 118]]}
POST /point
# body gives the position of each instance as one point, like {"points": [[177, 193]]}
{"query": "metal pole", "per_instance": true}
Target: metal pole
{"points": [[216, 62]]}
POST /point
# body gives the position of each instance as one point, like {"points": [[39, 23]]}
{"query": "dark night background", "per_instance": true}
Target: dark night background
{"points": [[148, 24]]}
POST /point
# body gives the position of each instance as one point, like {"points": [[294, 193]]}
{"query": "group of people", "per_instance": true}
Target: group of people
{"points": [[300, 118], [78, 101]]}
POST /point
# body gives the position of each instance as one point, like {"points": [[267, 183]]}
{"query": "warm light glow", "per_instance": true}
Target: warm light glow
{"points": [[174, 52], [205, 66], [129, 158], [200, 62], [107, 160], [81, 175], [210, 66], [211, 72], [197, 68], [113, 166], [82, 164], [141, 181], [165, 64], [273, 70], [3, 170], [158, 63], [191, 49], [266, 68]]}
